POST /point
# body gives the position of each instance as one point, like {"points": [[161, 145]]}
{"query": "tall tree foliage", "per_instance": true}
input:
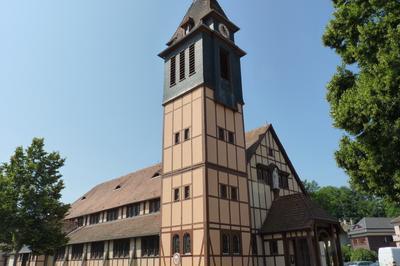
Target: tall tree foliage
{"points": [[346, 203], [30, 200], [364, 94]]}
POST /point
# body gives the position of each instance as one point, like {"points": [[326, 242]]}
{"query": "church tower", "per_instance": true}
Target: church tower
{"points": [[205, 201]]}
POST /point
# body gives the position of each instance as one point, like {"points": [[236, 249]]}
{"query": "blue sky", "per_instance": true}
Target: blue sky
{"points": [[85, 76]]}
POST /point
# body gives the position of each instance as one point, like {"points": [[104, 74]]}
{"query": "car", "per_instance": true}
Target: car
{"points": [[360, 263]]}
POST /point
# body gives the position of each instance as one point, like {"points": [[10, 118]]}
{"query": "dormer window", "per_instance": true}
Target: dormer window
{"points": [[188, 28], [156, 175], [188, 25]]}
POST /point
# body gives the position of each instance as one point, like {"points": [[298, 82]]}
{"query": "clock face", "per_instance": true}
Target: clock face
{"points": [[224, 30]]}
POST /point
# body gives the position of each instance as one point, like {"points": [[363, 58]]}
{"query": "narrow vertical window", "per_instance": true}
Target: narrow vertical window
{"points": [[112, 215], [60, 253], [234, 193], [187, 248], [133, 210], [80, 221], [221, 134], [283, 181], [150, 246], [187, 134], [182, 66], [192, 60], [177, 138], [77, 251], [176, 194], [224, 64], [236, 244], [254, 247], [121, 248], [259, 173], [273, 247], [172, 80], [223, 192], [231, 137], [270, 152], [225, 244], [97, 250], [187, 192], [94, 218], [154, 206], [175, 244]]}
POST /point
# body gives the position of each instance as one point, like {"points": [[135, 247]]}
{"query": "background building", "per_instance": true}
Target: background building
{"points": [[372, 233]]}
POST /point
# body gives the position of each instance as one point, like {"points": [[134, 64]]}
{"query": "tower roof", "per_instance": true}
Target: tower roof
{"points": [[197, 11]]}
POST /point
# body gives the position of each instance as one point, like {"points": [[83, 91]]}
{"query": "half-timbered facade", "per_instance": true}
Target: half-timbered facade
{"points": [[220, 196]]}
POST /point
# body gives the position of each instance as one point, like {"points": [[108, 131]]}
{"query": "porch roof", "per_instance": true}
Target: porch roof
{"points": [[294, 212]]}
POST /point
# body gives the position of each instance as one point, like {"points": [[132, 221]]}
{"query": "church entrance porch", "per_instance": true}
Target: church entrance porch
{"points": [[298, 232]]}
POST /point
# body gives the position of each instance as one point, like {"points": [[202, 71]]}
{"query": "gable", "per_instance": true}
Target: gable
{"points": [[264, 147]]}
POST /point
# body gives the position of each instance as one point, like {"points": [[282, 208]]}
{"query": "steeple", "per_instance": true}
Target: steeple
{"points": [[203, 52], [195, 15]]}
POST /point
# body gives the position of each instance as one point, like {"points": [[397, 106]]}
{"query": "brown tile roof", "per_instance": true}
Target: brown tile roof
{"points": [[125, 228], [294, 212], [134, 187], [253, 139]]}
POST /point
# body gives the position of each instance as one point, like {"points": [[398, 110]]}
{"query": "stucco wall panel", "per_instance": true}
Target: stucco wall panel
{"points": [[211, 118], [198, 215], [197, 117], [212, 156], [198, 242], [198, 180], [197, 150], [187, 154]]}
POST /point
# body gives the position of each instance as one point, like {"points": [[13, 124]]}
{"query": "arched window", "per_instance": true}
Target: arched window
{"points": [[225, 244], [175, 244], [187, 248], [235, 244]]}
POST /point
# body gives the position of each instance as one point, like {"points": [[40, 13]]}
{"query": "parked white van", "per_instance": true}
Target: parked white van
{"points": [[389, 256]]}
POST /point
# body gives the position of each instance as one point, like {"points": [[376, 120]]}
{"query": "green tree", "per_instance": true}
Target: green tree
{"points": [[7, 211], [346, 203], [311, 186], [361, 254], [30, 207], [364, 94]]}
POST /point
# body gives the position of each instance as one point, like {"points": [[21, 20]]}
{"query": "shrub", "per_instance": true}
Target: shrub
{"points": [[346, 252], [363, 255]]}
